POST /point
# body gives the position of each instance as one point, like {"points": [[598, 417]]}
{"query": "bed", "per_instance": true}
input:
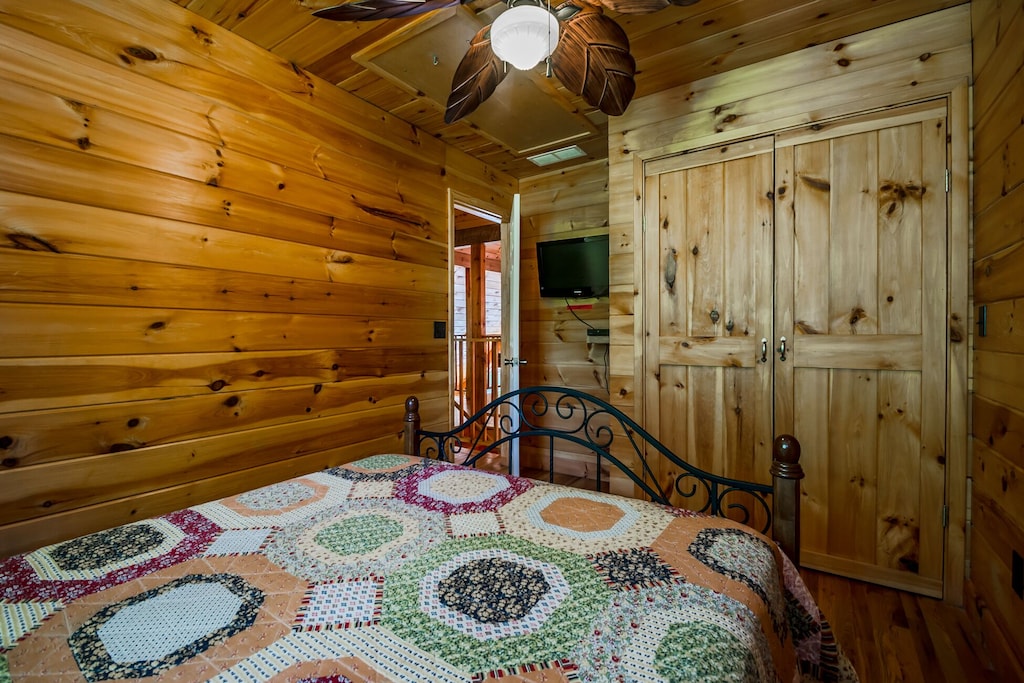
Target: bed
{"points": [[417, 566]]}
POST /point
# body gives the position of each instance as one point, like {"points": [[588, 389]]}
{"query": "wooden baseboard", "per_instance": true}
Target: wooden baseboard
{"points": [[893, 578]]}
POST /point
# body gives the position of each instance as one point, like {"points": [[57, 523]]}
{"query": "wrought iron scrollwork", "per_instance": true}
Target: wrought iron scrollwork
{"points": [[715, 493], [557, 414]]}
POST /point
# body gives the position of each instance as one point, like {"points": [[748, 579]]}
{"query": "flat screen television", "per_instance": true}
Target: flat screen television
{"points": [[573, 268]]}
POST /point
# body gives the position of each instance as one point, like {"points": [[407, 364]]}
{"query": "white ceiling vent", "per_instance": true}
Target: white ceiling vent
{"points": [[557, 155]]}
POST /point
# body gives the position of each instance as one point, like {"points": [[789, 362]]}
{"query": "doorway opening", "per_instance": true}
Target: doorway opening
{"points": [[477, 313]]}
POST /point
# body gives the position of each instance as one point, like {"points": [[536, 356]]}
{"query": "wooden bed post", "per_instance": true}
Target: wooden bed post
{"points": [[412, 425], [786, 475]]}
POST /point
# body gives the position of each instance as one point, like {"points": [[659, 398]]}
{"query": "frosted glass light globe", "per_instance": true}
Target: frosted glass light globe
{"points": [[524, 35]]}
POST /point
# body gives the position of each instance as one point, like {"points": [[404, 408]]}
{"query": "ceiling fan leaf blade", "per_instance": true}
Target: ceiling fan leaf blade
{"points": [[618, 91], [476, 77], [371, 10], [592, 60]]}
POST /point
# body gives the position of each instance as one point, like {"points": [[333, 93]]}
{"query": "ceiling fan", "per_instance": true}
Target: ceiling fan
{"points": [[586, 50]]}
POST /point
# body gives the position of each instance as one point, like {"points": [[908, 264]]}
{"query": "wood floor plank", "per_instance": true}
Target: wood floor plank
{"points": [[888, 626], [949, 629], [933, 660], [891, 635], [868, 656]]}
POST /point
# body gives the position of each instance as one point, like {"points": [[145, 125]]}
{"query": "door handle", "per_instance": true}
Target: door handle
{"points": [[782, 349], [513, 361], [764, 349]]}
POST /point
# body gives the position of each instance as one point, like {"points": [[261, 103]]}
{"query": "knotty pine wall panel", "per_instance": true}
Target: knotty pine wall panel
{"points": [[560, 205], [216, 270], [998, 368], [724, 29]]}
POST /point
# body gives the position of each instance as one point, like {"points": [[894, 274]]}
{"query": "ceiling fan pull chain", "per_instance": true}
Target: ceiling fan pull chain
{"points": [[547, 60]]}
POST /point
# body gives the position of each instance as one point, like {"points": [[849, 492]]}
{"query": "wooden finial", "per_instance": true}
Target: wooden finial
{"points": [[786, 457], [411, 441]]}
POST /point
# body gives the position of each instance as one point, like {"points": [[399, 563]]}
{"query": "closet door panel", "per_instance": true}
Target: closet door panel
{"points": [[852, 428], [709, 304], [866, 222], [809, 198], [899, 497], [815, 456], [852, 255]]}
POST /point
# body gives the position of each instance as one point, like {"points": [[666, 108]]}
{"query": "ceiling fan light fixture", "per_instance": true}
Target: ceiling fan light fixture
{"points": [[524, 35]]}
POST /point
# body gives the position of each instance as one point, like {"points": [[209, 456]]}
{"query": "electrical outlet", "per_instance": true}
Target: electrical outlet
{"points": [[1017, 575], [439, 329], [597, 332]]}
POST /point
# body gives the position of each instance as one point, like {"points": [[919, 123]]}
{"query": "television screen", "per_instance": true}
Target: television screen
{"points": [[573, 268]]}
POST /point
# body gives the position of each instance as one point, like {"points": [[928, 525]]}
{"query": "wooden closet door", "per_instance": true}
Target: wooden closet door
{"points": [[708, 303], [862, 281]]}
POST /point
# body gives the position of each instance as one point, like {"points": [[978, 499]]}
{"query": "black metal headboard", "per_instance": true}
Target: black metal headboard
{"points": [[559, 414]]}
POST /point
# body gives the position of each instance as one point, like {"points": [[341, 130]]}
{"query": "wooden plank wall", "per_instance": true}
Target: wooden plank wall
{"points": [[559, 205], [216, 270], [998, 377], [929, 56]]}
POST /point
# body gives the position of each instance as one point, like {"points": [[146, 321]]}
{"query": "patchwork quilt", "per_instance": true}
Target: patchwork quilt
{"points": [[395, 568]]}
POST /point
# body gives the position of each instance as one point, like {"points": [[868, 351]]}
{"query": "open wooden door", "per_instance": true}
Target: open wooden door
{"points": [[510, 360]]}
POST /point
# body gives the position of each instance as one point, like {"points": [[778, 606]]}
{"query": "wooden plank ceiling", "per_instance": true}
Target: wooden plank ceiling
{"points": [[672, 47]]}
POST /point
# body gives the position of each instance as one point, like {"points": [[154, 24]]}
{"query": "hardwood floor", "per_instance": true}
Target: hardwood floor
{"points": [[889, 635]]}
